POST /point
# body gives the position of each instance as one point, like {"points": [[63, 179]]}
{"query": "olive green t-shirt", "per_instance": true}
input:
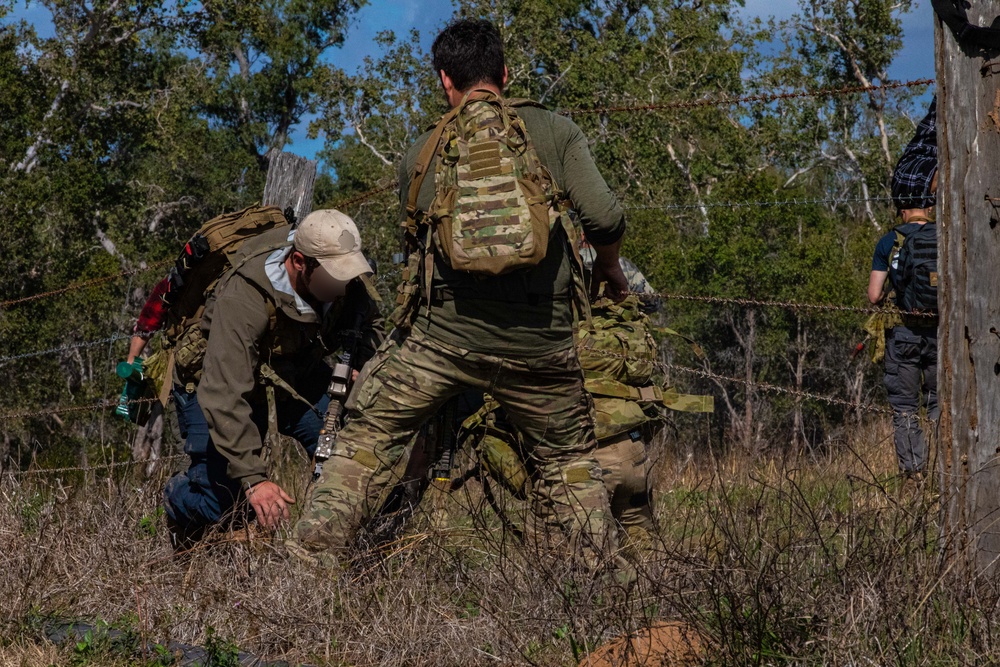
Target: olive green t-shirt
{"points": [[525, 312]]}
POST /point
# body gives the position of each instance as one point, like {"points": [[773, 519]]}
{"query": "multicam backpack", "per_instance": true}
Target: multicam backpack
{"points": [[618, 356], [619, 346], [495, 203]]}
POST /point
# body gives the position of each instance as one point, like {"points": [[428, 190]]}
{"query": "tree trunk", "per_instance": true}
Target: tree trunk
{"points": [[969, 298], [290, 180], [751, 336], [801, 349]]}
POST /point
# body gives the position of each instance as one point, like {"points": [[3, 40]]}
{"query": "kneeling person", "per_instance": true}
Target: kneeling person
{"points": [[272, 318]]}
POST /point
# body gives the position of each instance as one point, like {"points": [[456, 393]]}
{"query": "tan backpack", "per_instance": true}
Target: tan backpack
{"points": [[495, 202], [207, 255]]}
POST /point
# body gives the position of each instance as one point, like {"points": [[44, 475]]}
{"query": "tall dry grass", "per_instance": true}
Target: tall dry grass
{"points": [[808, 557]]}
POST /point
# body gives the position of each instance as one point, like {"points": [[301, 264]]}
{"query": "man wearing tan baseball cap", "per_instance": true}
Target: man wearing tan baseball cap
{"points": [[285, 305]]}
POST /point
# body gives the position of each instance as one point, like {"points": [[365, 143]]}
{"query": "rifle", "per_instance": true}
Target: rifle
{"points": [[359, 305], [443, 437]]}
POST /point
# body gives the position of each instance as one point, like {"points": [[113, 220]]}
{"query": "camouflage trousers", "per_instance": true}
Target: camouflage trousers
{"points": [[543, 396], [625, 467]]}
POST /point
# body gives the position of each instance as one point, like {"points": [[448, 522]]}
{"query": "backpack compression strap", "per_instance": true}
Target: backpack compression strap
{"points": [[426, 156], [423, 165]]}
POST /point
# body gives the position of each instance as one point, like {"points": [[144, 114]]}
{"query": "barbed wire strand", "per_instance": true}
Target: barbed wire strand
{"points": [[789, 305], [775, 389], [4, 305], [67, 347], [745, 99], [762, 203], [103, 466], [365, 196], [100, 405], [750, 384]]}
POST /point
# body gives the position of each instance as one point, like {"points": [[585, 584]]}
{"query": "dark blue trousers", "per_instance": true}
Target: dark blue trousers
{"points": [[204, 494]]}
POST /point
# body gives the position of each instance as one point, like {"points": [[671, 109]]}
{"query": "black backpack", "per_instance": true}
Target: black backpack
{"points": [[914, 273]]}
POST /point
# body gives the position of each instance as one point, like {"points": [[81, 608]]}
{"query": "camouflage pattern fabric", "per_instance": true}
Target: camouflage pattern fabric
{"points": [[619, 346], [494, 201], [543, 397], [625, 466], [627, 414], [622, 457], [637, 282]]}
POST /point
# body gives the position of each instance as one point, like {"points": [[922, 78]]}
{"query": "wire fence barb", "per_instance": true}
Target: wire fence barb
{"points": [[750, 384], [4, 305], [789, 305], [67, 409], [94, 468]]}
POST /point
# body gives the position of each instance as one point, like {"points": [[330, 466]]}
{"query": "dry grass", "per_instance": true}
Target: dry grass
{"points": [[809, 558]]}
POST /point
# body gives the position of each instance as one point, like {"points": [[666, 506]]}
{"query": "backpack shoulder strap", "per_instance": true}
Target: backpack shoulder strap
{"points": [[424, 159], [900, 239]]}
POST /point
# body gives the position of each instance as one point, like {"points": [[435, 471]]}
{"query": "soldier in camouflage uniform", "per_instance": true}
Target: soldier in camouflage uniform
{"points": [[627, 420], [509, 335]]}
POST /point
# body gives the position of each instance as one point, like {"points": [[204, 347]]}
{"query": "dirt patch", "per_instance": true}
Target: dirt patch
{"points": [[668, 644]]}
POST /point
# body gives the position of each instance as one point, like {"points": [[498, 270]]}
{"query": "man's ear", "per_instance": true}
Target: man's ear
{"points": [[446, 82], [506, 75], [298, 261]]}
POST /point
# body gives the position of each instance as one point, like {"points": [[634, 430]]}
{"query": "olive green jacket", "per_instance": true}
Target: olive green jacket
{"points": [[253, 319]]}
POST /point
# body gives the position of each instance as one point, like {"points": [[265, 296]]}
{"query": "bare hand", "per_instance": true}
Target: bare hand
{"points": [[616, 288], [270, 503]]}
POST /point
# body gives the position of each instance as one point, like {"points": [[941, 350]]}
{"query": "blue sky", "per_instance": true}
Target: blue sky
{"points": [[916, 60]]}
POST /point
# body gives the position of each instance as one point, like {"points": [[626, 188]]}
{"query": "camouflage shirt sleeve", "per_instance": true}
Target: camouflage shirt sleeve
{"points": [[636, 280], [239, 323], [600, 213]]}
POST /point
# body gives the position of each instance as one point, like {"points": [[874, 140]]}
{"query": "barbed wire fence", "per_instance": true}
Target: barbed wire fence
{"points": [[387, 280]]}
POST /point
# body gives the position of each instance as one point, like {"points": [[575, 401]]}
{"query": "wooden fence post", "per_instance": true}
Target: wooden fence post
{"points": [[968, 113], [290, 180]]}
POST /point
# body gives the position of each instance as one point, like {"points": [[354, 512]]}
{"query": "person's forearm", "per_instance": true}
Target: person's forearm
{"points": [[607, 255], [135, 347], [876, 286]]}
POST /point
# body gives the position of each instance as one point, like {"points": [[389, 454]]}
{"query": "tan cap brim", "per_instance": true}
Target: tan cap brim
{"points": [[346, 267]]}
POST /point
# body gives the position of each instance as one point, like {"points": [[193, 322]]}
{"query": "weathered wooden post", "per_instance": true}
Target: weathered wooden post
{"points": [[290, 180], [968, 84]]}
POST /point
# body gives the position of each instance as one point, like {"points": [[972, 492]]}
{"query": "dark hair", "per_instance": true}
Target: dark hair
{"points": [[469, 51], [311, 264]]}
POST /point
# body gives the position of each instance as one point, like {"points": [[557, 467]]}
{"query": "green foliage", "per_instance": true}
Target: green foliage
{"points": [[122, 132], [134, 123], [148, 523], [221, 653]]}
